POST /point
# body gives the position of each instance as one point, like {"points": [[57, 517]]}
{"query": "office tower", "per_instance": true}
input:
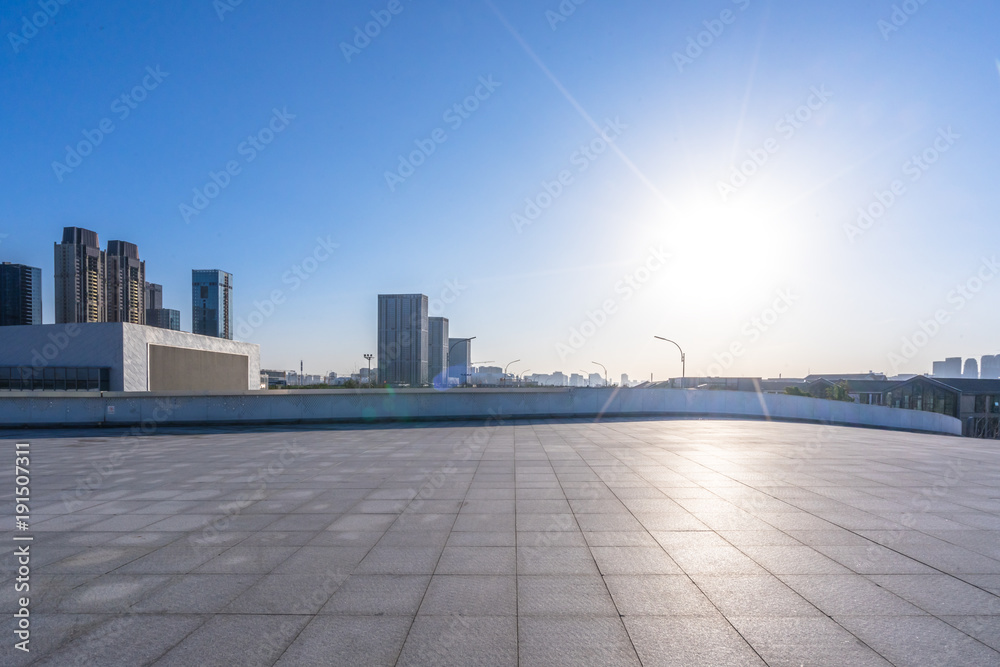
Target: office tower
{"points": [[212, 303], [990, 368], [437, 355], [154, 296], [625, 381], [971, 371], [20, 295], [403, 339], [164, 318], [949, 368], [459, 359], [125, 292], [79, 277]]}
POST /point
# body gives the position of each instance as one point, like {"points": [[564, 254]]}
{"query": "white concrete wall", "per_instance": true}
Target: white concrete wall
{"points": [[137, 339], [164, 408], [121, 347]]}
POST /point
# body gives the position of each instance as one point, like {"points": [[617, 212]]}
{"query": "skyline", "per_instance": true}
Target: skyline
{"points": [[522, 220]]}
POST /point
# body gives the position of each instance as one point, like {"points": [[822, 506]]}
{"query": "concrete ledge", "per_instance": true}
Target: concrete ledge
{"points": [[151, 409]]}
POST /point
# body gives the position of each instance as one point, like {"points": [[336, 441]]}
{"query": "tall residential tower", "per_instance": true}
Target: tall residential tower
{"points": [[79, 277], [125, 293]]}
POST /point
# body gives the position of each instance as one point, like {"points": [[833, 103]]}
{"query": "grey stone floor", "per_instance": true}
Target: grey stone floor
{"points": [[531, 543]]}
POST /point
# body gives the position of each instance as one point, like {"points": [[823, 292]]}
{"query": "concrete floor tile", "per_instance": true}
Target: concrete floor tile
{"points": [[458, 641], [249, 640], [378, 595], [350, 640], [707, 641], [557, 595], [470, 595], [574, 641]]}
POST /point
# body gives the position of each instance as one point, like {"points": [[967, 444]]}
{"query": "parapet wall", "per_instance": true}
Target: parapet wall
{"points": [[48, 409]]}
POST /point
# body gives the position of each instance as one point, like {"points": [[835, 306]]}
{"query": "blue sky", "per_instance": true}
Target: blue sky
{"points": [[772, 274]]}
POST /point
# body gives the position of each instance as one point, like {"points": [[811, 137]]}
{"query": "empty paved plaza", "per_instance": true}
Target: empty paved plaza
{"points": [[625, 542]]}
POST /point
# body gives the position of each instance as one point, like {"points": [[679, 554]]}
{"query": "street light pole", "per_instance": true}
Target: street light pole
{"points": [[683, 356], [369, 358], [505, 370], [605, 372], [451, 347]]}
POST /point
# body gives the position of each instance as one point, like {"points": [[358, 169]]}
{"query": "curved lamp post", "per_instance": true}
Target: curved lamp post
{"points": [[683, 356], [505, 370], [451, 347]]}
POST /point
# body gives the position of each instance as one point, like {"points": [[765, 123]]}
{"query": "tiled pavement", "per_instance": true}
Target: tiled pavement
{"points": [[532, 543]]}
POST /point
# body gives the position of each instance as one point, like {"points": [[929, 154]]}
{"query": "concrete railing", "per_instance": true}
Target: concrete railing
{"points": [[48, 409]]}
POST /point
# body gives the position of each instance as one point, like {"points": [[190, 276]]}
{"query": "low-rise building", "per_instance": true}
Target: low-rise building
{"points": [[120, 356], [975, 402]]}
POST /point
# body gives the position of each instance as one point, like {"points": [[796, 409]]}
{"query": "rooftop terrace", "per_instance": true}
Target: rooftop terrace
{"points": [[624, 542]]}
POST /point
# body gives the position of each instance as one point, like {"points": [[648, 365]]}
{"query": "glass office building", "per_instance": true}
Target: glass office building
{"points": [[212, 303], [403, 339], [437, 357], [20, 295]]}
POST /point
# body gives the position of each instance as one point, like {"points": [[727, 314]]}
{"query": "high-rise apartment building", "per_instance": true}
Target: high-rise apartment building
{"points": [[459, 359], [20, 295], [156, 314], [989, 368], [403, 339], [437, 356], [971, 370], [212, 303], [949, 368], [125, 293], [79, 277], [154, 296]]}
